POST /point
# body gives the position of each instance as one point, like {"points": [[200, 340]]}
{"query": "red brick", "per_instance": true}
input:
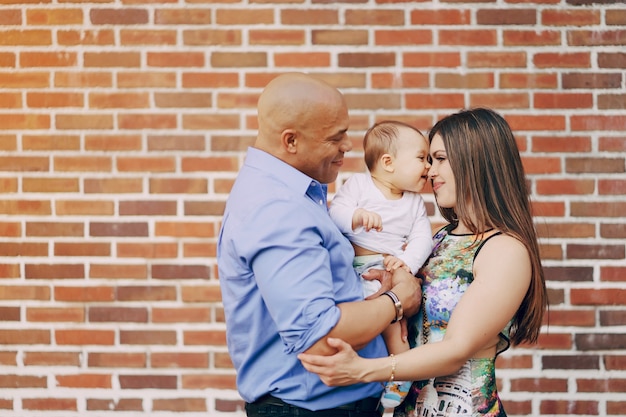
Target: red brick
{"points": [[103, 37], [568, 407], [56, 315], [596, 37], [431, 59], [120, 404], [231, 37], [179, 404], [10, 17], [181, 315], [319, 37], [556, 17], [36, 37], [148, 381], [597, 296], [561, 144], [84, 294], [238, 60], [210, 79], [112, 59], [179, 360], [145, 79], [147, 121], [562, 101], [71, 359], [84, 337], [500, 100], [199, 381], [147, 337], [24, 337], [147, 250], [469, 37], [118, 100], [542, 38], [84, 381], [148, 37], [82, 79], [256, 16], [185, 16], [117, 271], [539, 385], [440, 17], [303, 60], [49, 404], [117, 360], [613, 273], [122, 16]]}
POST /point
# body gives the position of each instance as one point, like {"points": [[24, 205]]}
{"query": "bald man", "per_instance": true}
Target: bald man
{"points": [[285, 269]]}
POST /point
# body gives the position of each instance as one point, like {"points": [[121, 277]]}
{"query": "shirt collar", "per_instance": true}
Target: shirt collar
{"points": [[285, 173]]}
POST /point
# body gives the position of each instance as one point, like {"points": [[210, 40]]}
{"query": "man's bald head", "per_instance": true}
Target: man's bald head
{"points": [[292, 101], [304, 122]]}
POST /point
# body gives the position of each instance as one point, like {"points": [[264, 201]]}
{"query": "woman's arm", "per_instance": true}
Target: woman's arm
{"points": [[501, 278]]}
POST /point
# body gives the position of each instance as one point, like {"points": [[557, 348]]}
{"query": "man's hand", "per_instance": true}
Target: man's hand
{"points": [[408, 288], [381, 275]]}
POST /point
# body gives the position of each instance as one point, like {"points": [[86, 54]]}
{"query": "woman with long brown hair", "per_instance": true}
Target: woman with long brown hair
{"points": [[483, 286]]}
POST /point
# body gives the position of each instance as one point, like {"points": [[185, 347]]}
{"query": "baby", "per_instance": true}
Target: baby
{"points": [[384, 217]]}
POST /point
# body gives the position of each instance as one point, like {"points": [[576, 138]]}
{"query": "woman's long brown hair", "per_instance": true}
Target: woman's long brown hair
{"points": [[492, 192]]}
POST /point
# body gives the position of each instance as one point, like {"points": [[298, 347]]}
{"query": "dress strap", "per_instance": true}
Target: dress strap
{"points": [[482, 242]]}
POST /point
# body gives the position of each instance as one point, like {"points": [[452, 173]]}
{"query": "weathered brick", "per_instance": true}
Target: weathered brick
{"points": [[147, 381], [121, 404], [121, 16], [117, 360]]}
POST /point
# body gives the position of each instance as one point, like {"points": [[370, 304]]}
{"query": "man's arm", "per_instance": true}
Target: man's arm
{"points": [[362, 321]]}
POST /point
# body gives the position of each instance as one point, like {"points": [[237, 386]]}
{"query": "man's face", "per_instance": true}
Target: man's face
{"points": [[322, 144]]}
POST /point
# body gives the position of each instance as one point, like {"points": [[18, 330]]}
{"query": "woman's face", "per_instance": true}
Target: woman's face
{"points": [[440, 173]]}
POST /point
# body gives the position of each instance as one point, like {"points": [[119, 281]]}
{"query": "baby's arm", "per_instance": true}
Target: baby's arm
{"points": [[367, 219], [393, 339], [392, 263]]}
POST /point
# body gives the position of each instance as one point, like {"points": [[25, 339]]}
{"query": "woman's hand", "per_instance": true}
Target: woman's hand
{"points": [[343, 368]]}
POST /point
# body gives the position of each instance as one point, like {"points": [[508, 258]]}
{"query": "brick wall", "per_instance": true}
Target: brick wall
{"points": [[123, 125]]}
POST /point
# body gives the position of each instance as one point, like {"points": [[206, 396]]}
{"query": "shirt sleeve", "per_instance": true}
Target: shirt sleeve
{"points": [[419, 242], [344, 203], [293, 272]]}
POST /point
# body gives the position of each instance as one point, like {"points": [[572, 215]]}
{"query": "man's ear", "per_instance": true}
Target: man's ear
{"points": [[386, 162], [289, 140]]}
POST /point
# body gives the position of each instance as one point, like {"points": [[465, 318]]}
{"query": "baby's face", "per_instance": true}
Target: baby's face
{"points": [[411, 161]]}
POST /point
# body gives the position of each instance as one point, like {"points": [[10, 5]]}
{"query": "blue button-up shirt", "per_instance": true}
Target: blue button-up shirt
{"points": [[283, 268]]}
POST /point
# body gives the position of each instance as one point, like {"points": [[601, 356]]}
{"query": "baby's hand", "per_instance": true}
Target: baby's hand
{"points": [[392, 263], [368, 219]]}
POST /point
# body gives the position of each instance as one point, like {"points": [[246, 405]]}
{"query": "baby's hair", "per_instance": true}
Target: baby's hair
{"points": [[381, 138]]}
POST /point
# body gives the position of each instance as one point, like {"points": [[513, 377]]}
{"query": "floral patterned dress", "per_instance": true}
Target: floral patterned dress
{"points": [[472, 390]]}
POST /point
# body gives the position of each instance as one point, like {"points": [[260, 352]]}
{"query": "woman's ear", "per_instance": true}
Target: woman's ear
{"points": [[386, 162], [289, 140]]}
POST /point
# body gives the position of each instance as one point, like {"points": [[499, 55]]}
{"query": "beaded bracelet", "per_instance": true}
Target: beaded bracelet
{"points": [[394, 362]]}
